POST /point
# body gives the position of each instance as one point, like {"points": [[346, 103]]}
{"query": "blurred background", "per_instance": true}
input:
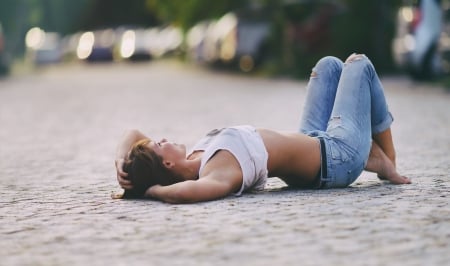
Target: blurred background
{"points": [[269, 37]]}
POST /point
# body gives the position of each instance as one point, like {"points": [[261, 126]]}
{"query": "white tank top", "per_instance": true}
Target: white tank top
{"points": [[246, 145]]}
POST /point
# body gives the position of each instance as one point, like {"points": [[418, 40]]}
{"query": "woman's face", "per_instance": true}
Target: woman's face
{"points": [[169, 151]]}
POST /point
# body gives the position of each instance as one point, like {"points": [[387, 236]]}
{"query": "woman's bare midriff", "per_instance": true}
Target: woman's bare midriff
{"points": [[293, 157]]}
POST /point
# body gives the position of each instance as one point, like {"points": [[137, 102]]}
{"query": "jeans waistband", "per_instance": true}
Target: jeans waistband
{"points": [[323, 165]]}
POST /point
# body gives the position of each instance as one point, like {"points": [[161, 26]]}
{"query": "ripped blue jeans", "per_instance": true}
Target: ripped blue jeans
{"points": [[345, 105]]}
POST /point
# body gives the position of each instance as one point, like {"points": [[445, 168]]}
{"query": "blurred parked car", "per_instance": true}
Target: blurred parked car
{"points": [[43, 47], [203, 42], [245, 36], [69, 46], [236, 38], [97, 45], [4, 60], [195, 41], [421, 45], [134, 44], [165, 41]]}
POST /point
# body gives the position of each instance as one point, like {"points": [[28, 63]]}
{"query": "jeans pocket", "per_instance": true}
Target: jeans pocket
{"points": [[340, 152]]}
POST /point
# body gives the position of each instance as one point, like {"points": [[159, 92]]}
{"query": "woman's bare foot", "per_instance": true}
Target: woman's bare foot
{"points": [[379, 163], [386, 143], [391, 157]]}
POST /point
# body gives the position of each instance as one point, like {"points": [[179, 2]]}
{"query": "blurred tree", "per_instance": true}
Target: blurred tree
{"points": [[313, 29], [113, 13], [367, 27], [18, 16], [185, 13]]}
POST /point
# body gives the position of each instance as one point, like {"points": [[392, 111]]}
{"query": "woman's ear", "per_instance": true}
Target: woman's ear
{"points": [[168, 164]]}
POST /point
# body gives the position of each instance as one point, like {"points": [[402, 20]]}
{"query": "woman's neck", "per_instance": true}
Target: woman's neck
{"points": [[192, 167]]}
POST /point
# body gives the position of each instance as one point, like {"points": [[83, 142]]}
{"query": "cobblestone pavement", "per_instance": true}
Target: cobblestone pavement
{"points": [[58, 133]]}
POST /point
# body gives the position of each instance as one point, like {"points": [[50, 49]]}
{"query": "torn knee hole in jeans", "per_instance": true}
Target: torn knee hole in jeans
{"points": [[335, 118], [313, 74], [354, 57]]}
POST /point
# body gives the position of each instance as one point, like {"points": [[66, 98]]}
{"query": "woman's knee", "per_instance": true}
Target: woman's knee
{"points": [[328, 65], [362, 61]]}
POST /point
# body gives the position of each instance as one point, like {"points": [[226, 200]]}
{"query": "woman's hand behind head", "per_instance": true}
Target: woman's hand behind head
{"points": [[122, 175]]}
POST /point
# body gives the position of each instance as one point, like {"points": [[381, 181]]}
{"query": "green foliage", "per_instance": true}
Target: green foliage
{"points": [[113, 13], [18, 16], [185, 13], [356, 26], [445, 81], [368, 27]]}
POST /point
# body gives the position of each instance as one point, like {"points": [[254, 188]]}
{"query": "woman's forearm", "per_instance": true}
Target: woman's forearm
{"points": [[129, 138], [169, 194]]}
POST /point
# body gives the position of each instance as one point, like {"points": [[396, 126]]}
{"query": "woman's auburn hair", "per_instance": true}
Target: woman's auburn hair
{"points": [[145, 169]]}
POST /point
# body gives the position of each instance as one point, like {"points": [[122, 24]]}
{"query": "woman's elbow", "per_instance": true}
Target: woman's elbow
{"points": [[132, 132]]}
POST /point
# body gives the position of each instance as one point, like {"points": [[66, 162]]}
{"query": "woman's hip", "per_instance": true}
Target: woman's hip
{"points": [[344, 163]]}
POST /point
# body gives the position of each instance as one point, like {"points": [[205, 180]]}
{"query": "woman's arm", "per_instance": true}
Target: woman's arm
{"points": [[204, 189], [221, 176], [129, 138]]}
